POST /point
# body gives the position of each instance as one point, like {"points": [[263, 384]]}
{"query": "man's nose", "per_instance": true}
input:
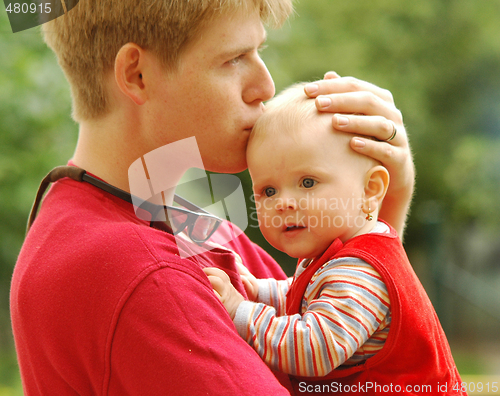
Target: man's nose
{"points": [[260, 86]]}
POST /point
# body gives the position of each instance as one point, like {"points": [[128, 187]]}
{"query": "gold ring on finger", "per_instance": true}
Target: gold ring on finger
{"points": [[394, 132]]}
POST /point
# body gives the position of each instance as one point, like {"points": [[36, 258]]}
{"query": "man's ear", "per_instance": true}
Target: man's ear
{"points": [[376, 184], [129, 64]]}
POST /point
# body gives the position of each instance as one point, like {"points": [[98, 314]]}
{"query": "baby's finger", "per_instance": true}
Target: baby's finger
{"points": [[251, 288], [218, 279], [242, 269], [217, 284], [246, 283], [218, 295], [212, 271]]}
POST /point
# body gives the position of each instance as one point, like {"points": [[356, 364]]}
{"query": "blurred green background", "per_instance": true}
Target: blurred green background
{"points": [[440, 59]]}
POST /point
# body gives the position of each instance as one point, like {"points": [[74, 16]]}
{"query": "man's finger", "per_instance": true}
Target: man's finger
{"points": [[330, 75], [363, 102], [344, 85], [384, 152], [375, 126]]}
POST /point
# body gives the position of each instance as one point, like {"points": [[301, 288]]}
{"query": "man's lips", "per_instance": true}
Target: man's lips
{"points": [[249, 124]]}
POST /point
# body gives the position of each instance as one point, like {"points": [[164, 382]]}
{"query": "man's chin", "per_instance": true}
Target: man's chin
{"points": [[228, 166]]}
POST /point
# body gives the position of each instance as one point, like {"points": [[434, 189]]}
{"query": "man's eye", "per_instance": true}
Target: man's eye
{"points": [[269, 191], [308, 183], [236, 60]]}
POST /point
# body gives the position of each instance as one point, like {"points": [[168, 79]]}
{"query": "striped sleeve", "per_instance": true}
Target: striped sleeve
{"points": [[345, 304], [273, 292]]}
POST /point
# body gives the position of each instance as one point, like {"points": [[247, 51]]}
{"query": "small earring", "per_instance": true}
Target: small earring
{"points": [[369, 216]]}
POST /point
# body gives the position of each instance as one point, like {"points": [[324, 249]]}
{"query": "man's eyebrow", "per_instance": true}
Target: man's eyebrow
{"points": [[242, 50]]}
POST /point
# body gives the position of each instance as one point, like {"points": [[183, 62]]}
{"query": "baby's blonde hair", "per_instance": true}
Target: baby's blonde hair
{"points": [[87, 39], [285, 114], [289, 112]]}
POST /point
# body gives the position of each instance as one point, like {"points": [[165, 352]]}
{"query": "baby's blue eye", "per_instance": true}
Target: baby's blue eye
{"points": [[270, 191], [308, 183]]}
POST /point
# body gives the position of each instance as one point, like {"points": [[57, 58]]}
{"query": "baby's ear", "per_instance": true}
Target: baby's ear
{"points": [[376, 184]]}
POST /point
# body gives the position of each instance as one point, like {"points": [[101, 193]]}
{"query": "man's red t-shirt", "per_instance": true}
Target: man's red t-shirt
{"points": [[102, 304]]}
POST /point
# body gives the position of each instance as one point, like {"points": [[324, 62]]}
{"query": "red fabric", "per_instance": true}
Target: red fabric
{"points": [[416, 352], [102, 304]]}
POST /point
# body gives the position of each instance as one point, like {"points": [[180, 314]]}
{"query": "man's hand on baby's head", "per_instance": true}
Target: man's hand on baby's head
{"points": [[224, 290], [365, 109]]}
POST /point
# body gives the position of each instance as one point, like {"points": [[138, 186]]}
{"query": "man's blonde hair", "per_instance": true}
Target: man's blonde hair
{"points": [[87, 39]]}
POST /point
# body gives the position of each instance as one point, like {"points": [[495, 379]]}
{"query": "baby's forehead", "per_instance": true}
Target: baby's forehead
{"points": [[289, 125], [316, 137], [318, 133]]}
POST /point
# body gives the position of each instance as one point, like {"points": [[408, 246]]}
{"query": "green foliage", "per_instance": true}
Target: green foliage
{"points": [[473, 179]]}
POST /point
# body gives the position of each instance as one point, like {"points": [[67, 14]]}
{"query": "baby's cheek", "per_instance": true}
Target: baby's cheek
{"points": [[263, 218], [268, 228]]}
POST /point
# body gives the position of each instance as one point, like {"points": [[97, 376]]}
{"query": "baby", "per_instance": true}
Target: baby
{"points": [[354, 309]]}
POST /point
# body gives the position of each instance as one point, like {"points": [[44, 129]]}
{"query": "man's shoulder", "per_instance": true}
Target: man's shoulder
{"points": [[79, 226], [84, 250]]}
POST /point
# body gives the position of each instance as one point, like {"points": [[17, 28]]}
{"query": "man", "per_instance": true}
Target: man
{"points": [[101, 303]]}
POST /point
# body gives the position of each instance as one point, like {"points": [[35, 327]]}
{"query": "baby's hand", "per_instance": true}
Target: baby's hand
{"points": [[249, 281], [223, 289]]}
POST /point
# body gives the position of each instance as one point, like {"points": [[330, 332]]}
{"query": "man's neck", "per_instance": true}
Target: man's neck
{"points": [[101, 151], [108, 147]]}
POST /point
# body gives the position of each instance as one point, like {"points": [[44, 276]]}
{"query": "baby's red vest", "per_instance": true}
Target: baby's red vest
{"points": [[416, 356]]}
